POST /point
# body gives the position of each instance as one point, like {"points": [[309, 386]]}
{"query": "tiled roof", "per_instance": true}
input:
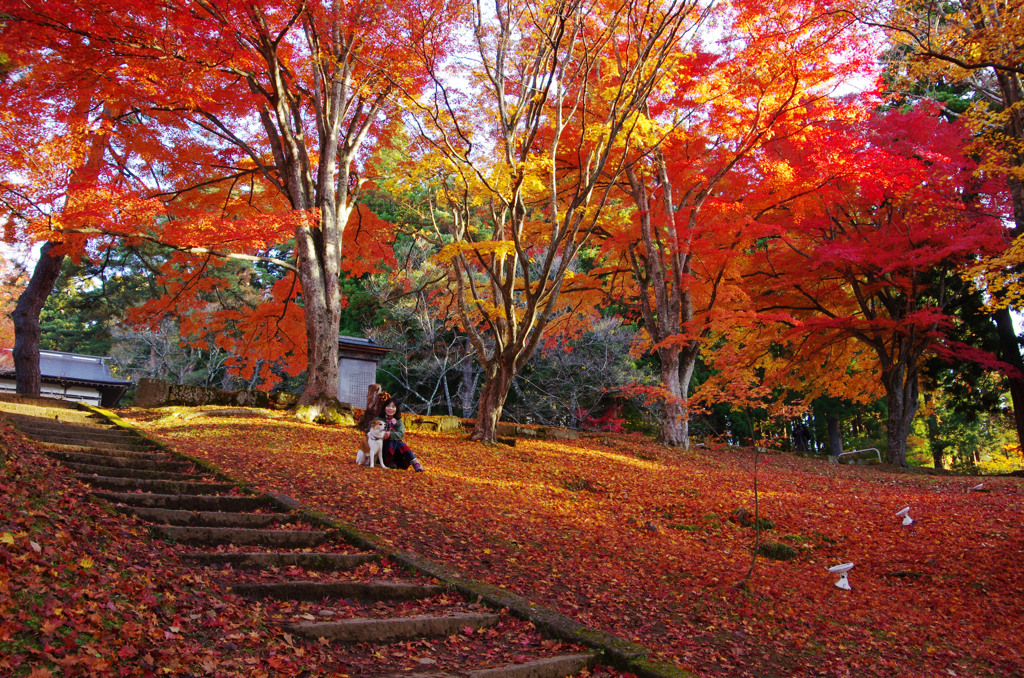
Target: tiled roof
{"points": [[363, 344], [60, 366]]}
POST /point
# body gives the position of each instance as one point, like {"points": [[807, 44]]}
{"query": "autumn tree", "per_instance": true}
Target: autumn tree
{"points": [[875, 256], [697, 188], [12, 281], [975, 46], [51, 170], [518, 162], [254, 123]]}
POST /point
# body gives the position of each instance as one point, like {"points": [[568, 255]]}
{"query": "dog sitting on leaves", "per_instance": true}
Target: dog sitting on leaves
{"points": [[373, 449]]}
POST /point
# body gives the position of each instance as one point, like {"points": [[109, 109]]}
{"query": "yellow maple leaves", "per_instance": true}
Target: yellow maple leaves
{"points": [[498, 249]]}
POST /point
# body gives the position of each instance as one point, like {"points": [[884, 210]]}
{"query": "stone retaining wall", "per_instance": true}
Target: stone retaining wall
{"points": [[156, 393]]}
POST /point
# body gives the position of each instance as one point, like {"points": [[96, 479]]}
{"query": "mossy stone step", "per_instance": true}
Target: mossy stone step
{"points": [[208, 518], [119, 461], [126, 472], [262, 561], [223, 536], [388, 630], [115, 437], [315, 590], [151, 485], [187, 502]]}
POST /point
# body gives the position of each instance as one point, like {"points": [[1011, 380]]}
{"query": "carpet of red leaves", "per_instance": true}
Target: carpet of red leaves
{"points": [[638, 540], [86, 592]]}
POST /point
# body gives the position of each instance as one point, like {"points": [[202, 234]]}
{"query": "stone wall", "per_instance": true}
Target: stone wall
{"points": [[156, 393], [551, 432]]}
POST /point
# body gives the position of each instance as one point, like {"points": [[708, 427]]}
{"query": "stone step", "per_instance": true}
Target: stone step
{"points": [[221, 536], [123, 472], [150, 485], [87, 426], [11, 399], [208, 518], [262, 561], [387, 630], [49, 408], [119, 461], [314, 590], [550, 667], [78, 442], [114, 437], [150, 455], [185, 501], [561, 666], [63, 418]]}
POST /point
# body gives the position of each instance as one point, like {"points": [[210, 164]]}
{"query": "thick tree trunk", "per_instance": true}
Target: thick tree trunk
{"points": [[901, 398], [676, 372], [492, 400], [322, 322], [674, 428], [319, 270], [26, 320]]}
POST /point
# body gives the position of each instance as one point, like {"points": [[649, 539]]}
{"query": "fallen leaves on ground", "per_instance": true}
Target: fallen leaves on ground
{"points": [[642, 542], [87, 592]]}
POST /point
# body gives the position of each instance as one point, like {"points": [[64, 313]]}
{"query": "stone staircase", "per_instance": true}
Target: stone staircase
{"points": [[265, 548]]}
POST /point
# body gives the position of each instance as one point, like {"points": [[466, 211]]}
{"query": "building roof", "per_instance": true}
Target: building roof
{"points": [[361, 345], [66, 367]]}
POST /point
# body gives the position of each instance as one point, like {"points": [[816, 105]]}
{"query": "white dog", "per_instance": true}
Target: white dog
{"points": [[374, 444]]}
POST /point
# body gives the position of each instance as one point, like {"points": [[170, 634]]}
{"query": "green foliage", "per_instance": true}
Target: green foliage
{"points": [[90, 298], [361, 309], [970, 425]]}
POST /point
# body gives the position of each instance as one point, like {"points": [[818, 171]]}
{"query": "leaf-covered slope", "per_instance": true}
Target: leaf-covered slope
{"points": [[85, 592], [640, 541]]}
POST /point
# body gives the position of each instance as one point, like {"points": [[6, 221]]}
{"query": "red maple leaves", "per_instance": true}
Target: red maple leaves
{"points": [[638, 541]]}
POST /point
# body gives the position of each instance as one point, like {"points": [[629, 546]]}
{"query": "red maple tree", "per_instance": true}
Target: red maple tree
{"points": [[875, 254]]}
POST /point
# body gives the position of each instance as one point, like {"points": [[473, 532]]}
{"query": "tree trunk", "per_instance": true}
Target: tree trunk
{"points": [[835, 439], [321, 296], [26, 320], [676, 372], [30, 304], [492, 400], [901, 398], [674, 429], [938, 447], [935, 443], [1009, 348]]}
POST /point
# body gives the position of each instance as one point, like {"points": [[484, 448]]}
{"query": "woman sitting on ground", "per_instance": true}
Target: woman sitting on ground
{"points": [[396, 453]]}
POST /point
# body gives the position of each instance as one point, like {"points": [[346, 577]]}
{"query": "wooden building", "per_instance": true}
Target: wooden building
{"points": [[69, 376]]}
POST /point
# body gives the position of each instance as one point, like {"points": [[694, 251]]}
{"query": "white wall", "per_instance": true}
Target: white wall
{"points": [[84, 393]]}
